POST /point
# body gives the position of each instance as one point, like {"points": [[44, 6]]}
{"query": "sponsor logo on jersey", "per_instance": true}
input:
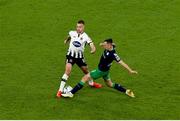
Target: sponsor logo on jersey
{"points": [[76, 44], [107, 53]]}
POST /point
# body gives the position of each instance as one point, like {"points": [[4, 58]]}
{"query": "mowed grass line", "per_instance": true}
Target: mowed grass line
{"points": [[32, 56]]}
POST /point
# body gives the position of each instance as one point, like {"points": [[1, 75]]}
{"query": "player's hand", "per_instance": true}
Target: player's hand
{"points": [[65, 41], [133, 72], [102, 44], [93, 48]]}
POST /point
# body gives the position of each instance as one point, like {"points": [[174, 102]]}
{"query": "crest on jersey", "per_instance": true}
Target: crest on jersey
{"points": [[76, 44], [70, 60]]}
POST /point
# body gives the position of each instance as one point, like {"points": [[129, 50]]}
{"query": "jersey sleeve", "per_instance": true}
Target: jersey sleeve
{"points": [[70, 33], [88, 39], [116, 57]]}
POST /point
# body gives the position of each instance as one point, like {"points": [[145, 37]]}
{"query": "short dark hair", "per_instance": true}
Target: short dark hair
{"points": [[109, 40], [81, 22]]}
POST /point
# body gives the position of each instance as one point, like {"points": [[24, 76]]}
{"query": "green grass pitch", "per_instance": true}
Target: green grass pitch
{"points": [[32, 56]]}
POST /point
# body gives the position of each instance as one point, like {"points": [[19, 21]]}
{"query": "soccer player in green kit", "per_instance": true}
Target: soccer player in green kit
{"points": [[103, 69]]}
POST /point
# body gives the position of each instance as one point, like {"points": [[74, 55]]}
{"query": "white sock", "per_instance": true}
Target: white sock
{"points": [[63, 82], [65, 77], [91, 82], [62, 86]]}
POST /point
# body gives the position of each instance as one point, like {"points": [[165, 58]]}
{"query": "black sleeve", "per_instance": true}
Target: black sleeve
{"points": [[116, 57]]}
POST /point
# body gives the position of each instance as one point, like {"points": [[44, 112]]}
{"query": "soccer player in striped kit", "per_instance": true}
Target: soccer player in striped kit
{"points": [[77, 41]]}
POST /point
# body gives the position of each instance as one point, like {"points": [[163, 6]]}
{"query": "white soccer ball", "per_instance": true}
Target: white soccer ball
{"points": [[67, 89]]}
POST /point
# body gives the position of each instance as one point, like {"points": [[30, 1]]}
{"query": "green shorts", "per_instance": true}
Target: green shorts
{"points": [[95, 74]]}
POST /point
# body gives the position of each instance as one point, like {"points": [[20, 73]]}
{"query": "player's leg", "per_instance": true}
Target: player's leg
{"points": [[83, 66], [68, 68], [79, 86], [65, 76], [95, 74], [116, 86], [90, 82]]}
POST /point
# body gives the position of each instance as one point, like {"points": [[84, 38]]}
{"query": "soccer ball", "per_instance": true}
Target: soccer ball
{"points": [[67, 89]]}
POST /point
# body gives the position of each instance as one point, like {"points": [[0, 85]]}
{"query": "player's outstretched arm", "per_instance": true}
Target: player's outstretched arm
{"points": [[67, 39], [127, 67], [102, 44], [93, 48]]}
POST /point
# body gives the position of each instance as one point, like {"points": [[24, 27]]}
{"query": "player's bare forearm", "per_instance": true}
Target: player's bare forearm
{"points": [[127, 67], [93, 48], [67, 39], [102, 44]]}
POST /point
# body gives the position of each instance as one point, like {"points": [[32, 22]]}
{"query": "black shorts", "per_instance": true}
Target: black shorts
{"points": [[79, 61]]}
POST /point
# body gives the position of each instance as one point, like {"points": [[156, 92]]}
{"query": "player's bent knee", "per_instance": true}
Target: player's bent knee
{"points": [[86, 77]]}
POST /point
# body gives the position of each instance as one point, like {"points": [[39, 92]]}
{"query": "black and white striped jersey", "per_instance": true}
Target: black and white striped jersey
{"points": [[77, 44]]}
